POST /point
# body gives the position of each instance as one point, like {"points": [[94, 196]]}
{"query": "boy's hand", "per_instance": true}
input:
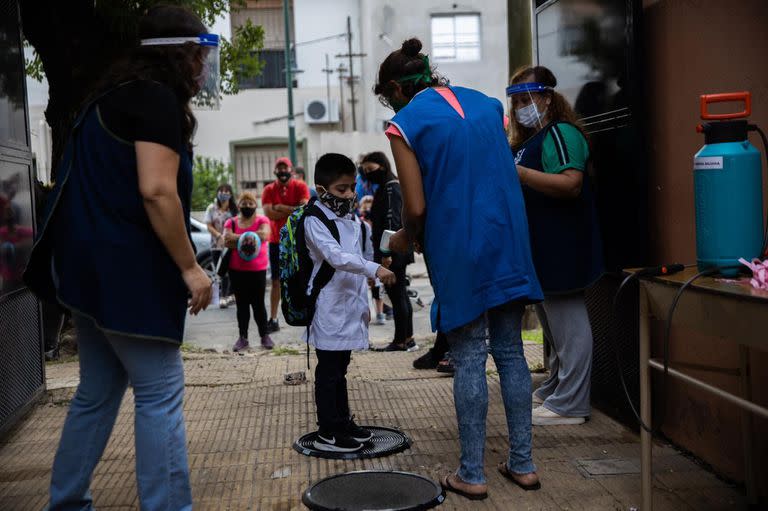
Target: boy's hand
{"points": [[385, 276]]}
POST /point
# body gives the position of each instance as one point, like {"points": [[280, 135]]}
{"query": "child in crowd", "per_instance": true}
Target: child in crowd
{"points": [[340, 321]]}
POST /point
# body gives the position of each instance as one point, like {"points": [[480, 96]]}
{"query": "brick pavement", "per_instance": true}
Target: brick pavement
{"points": [[242, 420]]}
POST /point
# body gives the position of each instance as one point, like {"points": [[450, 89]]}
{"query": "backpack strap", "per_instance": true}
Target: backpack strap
{"points": [[326, 271], [364, 233]]}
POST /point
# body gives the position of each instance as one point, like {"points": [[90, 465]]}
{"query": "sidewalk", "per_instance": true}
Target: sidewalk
{"points": [[242, 421]]}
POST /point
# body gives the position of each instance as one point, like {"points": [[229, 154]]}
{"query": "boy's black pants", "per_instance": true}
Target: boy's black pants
{"points": [[331, 390]]}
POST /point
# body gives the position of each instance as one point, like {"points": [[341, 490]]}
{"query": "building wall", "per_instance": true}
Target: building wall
{"points": [[399, 20], [695, 47]]}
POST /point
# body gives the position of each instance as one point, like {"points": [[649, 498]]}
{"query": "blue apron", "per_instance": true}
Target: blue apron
{"points": [[476, 241], [97, 253], [565, 236]]}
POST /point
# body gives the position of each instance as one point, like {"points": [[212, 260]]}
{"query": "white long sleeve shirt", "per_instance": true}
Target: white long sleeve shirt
{"points": [[342, 313]]}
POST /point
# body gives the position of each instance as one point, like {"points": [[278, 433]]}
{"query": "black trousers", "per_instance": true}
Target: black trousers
{"points": [[401, 305], [249, 288], [441, 345], [331, 390]]}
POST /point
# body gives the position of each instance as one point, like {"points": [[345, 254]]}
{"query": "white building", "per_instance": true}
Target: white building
{"points": [[467, 42]]}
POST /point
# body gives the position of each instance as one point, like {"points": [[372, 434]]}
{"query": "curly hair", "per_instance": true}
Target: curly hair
{"points": [[171, 65], [559, 108]]}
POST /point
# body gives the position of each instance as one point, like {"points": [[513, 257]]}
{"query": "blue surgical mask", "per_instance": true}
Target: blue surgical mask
{"points": [[223, 196], [529, 116]]}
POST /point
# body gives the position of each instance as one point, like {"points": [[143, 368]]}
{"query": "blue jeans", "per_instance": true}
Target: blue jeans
{"points": [[108, 362], [470, 389]]}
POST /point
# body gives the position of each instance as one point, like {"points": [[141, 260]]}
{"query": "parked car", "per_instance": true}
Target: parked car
{"points": [[200, 237]]}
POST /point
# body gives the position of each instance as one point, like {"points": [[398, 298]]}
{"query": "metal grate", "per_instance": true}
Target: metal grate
{"points": [[607, 330], [385, 442], [21, 357]]}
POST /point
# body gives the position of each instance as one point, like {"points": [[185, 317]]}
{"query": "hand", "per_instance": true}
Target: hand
{"points": [[386, 262], [386, 277], [400, 242], [522, 174], [230, 239], [199, 285]]}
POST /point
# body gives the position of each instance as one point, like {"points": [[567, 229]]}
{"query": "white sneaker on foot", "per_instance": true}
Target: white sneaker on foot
{"points": [[544, 417]]}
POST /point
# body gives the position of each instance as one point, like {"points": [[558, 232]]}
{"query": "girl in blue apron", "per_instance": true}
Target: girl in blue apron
{"points": [[551, 154], [462, 205], [114, 249]]}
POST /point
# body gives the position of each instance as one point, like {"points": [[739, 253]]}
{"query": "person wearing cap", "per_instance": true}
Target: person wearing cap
{"points": [[279, 200], [551, 153], [114, 249]]}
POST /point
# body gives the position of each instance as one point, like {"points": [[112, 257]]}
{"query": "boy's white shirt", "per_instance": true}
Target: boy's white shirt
{"points": [[342, 312]]}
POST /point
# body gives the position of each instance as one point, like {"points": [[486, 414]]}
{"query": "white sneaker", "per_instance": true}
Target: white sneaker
{"points": [[544, 417], [536, 399]]}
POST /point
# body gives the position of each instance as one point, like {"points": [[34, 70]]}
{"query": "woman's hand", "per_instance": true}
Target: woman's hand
{"points": [[199, 285], [231, 239], [386, 262], [400, 242], [522, 174]]}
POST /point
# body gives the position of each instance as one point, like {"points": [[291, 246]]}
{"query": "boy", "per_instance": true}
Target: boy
{"points": [[340, 322]]}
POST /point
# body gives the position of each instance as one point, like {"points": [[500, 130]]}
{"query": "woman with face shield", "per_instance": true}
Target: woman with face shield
{"points": [[115, 250], [551, 154]]}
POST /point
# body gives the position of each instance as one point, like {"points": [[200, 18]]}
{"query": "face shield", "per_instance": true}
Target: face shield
{"points": [[208, 96], [529, 115]]}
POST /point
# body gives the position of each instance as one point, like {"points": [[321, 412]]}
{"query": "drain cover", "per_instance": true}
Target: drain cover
{"points": [[609, 467], [385, 441], [374, 490]]}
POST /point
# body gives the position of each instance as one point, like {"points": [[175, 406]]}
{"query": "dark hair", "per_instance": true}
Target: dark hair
{"points": [[381, 160], [300, 171], [403, 62], [331, 166], [559, 108], [226, 187], [170, 65]]}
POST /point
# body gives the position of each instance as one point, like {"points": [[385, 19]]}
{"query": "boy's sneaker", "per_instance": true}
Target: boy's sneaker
{"points": [[336, 442], [381, 319], [273, 326], [266, 342], [241, 344], [356, 432]]}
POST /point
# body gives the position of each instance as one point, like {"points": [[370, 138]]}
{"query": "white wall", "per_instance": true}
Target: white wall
{"points": [[411, 18]]}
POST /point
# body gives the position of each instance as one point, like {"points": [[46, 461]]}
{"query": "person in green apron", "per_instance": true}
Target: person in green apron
{"points": [[551, 154]]}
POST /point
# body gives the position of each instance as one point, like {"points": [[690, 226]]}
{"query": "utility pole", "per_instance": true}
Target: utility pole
{"points": [[341, 70], [328, 72], [289, 85], [352, 76]]}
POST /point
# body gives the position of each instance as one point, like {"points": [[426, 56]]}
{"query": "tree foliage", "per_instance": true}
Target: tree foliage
{"points": [[208, 175], [75, 41]]}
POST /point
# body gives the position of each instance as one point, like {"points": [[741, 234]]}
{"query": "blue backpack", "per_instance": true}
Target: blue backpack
{"points": [[296, 266]]}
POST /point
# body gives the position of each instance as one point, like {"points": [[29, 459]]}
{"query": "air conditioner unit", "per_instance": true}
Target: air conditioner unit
{"points": [[318, 111]]}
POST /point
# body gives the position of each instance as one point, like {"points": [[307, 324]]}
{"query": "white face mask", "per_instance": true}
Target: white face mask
{"points": [[529, 116]]}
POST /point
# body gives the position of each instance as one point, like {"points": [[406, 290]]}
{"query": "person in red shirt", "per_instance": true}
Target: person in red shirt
{"points": [[279, 200]]}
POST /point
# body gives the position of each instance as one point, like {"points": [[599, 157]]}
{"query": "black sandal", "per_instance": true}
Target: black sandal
{"points": [[447, 486], [503, 470]]}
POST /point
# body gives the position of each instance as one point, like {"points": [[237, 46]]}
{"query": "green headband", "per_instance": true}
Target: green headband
{"points": [[425, 76]]}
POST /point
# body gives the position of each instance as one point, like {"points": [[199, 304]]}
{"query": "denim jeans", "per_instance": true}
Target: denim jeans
{"points": [[470, 389], [108, 363]]}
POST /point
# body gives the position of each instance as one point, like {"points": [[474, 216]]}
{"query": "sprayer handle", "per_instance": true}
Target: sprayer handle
{"points": [[707, 99]]}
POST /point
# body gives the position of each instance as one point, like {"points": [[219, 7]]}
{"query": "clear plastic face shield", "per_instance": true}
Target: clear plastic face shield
{"points": [[526, 112], [208, 95]]}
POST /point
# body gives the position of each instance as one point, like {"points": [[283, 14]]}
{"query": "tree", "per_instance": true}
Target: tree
{"points": [[74, 41], [208, 175]]}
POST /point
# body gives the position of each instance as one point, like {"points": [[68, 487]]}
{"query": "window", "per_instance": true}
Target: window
{"points": [[456, 37], [272, 74]]}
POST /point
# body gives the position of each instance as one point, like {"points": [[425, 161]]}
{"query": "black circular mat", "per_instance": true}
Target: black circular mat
{"points": [[374, 490], [385, 441]]}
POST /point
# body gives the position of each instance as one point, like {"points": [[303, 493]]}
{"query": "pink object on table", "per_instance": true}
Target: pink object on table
{"points": [[759, 272]]}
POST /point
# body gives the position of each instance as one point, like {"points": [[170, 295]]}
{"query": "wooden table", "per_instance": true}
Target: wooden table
{"points": [[733, 311]]}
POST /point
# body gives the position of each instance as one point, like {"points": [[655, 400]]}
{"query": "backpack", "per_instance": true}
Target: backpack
{"points": [[296, 266]]}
